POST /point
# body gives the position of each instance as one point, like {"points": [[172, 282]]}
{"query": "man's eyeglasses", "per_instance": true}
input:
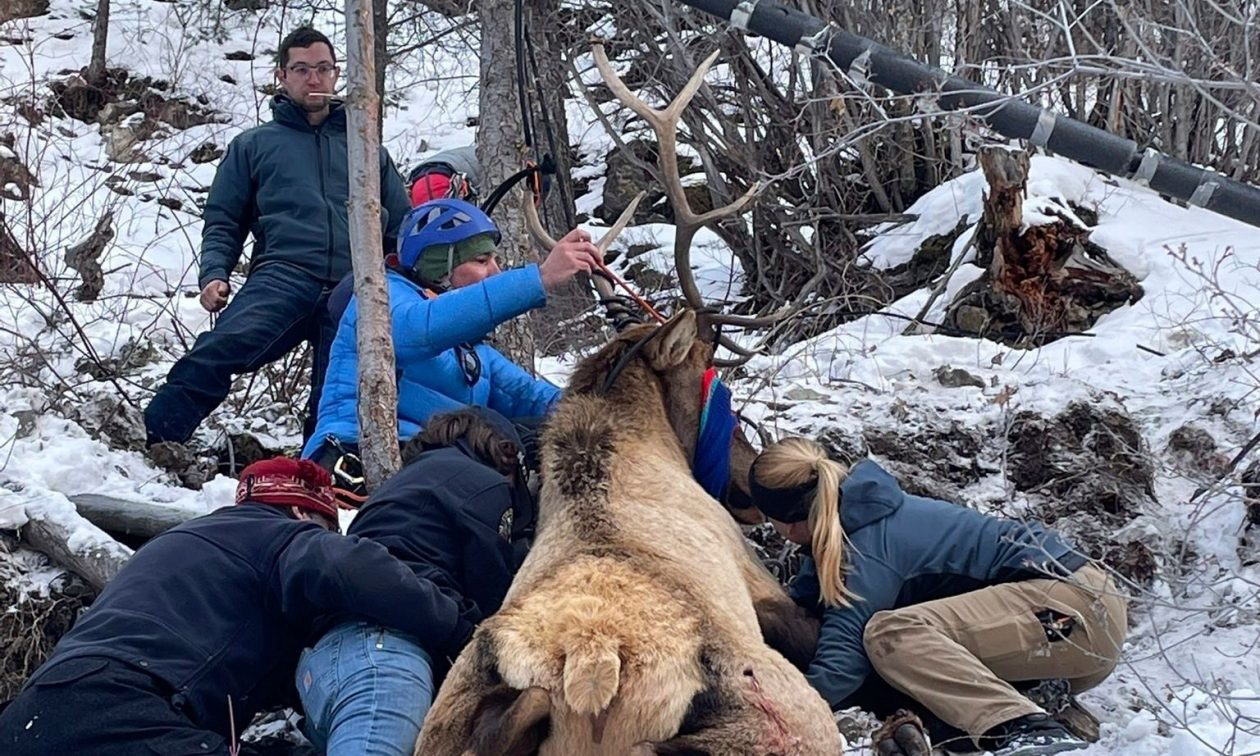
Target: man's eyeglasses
{"points": [[301, 69]]}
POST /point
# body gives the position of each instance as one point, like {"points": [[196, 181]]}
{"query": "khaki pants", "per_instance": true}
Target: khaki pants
{"points": [[957, 656]]}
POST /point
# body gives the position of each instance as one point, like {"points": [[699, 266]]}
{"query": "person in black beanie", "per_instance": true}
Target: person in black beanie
{"points": [[947, 605]]}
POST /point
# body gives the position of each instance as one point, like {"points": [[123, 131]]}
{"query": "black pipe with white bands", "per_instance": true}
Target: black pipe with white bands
{"points": [[1007, 115]]}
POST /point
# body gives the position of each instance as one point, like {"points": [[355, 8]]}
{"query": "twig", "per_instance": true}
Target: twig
{"points": [[1233, 463], [914, 328]]}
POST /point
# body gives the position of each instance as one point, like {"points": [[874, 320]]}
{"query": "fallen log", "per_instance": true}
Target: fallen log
{"points": [[88, 552], [132, 520]]}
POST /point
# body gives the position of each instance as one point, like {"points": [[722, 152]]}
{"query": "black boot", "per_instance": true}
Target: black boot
{"points": [[1030, 735]]}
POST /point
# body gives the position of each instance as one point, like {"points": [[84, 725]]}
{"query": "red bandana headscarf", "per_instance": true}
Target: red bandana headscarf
{"points": [[284, 482]]}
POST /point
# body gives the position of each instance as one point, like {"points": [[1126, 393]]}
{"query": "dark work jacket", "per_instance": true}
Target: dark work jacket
{"points": [[287, 182], [220, 606], [903, 550], [456, 522]]}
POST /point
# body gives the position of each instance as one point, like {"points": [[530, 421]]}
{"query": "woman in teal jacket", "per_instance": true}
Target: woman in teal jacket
{"points": [[446, 294], [949, 606]]}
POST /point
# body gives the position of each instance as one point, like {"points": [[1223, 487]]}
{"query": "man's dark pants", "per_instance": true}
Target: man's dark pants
{"points": [[278, 308], [102, 707]]}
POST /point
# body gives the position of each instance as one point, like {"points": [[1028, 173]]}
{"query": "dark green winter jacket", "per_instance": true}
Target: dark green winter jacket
{"points": [[287, 182]]}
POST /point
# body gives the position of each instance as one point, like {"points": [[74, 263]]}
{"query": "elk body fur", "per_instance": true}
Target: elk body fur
{"points": [[633, 625]]}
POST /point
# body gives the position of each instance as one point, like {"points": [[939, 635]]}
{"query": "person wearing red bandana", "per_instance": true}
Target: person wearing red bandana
{"points": [[203, 626]]}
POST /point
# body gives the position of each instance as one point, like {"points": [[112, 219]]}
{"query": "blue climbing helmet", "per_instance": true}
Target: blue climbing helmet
{"points": [[443, 228]]}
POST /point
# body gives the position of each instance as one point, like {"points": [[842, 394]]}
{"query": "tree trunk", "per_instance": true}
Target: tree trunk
{"points": [[100, 37], [1043, 281], [378, 393], [501, 152], [1006, 171], [552, 42], [380, 52]]}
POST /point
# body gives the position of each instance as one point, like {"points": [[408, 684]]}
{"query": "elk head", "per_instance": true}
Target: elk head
{"points": [[671, 366]]}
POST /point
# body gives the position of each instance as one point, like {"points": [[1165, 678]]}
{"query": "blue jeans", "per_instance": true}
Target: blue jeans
{"points": [[365, 690], [276, 309]]}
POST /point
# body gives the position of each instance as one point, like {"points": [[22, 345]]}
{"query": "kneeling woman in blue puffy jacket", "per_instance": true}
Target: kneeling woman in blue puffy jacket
{"points": [[947, 605], [446, 294]]}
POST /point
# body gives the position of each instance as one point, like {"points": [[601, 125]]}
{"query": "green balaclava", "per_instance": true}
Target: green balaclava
{"points": [[437, 262]]}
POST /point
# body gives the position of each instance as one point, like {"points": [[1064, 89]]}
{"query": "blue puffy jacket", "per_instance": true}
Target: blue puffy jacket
{"points": [[430, 378], [904, 550], [287, 183]]}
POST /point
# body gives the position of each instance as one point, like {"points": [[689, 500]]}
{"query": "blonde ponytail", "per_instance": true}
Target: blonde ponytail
{"points": [[794, 463]]}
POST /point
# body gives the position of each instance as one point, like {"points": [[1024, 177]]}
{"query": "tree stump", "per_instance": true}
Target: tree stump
{"points": [[1042, 281]]}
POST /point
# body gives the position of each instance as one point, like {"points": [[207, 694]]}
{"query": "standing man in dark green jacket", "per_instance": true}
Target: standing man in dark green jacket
{"points": [[286, 183]]}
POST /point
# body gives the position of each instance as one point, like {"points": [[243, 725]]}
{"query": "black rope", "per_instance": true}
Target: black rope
{"points": [[521, 91], [542, 100], [548, 167], [618, 309], [624, 360]]}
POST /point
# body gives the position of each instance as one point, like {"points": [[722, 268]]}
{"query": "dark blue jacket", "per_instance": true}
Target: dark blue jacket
{"points": [[426, 331], [455, 522], [287, 182], [904, 550], [220, 607]]}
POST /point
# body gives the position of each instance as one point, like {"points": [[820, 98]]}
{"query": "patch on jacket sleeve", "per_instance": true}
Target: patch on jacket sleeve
{"points": [[505, 525]]}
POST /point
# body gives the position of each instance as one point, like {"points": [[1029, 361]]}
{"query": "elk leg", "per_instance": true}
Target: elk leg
{"points": [[786, 627], [902, 734], [448, 727], [726, 737]]}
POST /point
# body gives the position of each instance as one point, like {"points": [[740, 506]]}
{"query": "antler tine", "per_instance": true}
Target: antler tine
{"points": [[736, 349], [752, 321], [623, 220], [619, 88], [730, 209], [544, 239], [680, 102], [535, 226], [665, 124]]}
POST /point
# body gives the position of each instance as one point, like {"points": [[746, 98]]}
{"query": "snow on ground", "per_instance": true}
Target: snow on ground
{"points": [[1189, 683]]}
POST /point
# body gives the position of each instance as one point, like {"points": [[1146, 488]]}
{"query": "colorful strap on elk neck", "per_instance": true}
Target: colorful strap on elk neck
{"points": [[711, 464]]}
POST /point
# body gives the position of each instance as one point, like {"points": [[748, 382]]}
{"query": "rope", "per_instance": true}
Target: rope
{"points": [[527, 126], [640, 301]]}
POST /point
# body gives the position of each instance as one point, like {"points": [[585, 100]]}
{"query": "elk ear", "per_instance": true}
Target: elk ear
{"points": [[670, 347]]}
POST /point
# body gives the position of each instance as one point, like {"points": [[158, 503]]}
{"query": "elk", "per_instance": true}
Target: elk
{"points": [[641, 622]]}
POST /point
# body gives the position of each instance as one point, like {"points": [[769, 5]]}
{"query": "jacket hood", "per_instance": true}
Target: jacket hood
{"points": [[868, 494], [284, 110]]}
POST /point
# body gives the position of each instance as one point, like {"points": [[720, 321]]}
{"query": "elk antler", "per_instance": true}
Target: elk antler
{"points": [[602, 285], [665, 124]]}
